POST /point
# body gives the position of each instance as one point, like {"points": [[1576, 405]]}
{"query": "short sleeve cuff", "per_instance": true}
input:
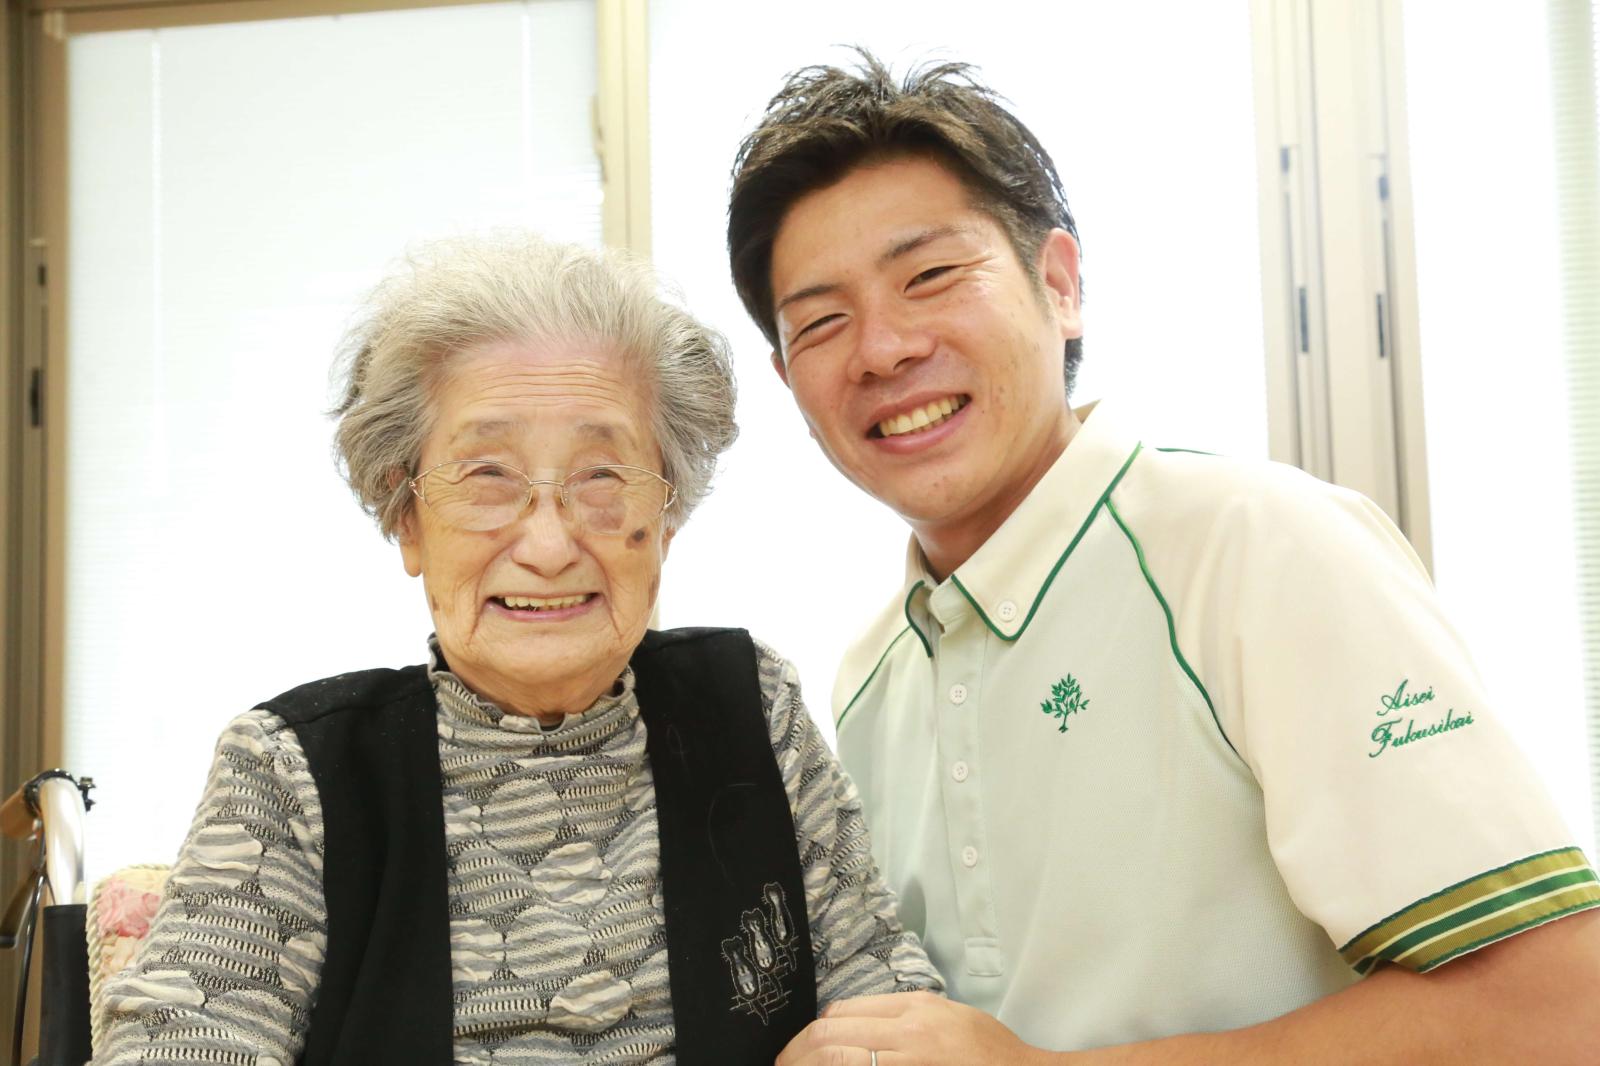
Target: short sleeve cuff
{"points": [[1479, 911]]}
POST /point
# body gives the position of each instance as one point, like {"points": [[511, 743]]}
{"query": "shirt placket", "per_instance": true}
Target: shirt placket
{"points": [[958, 699]]}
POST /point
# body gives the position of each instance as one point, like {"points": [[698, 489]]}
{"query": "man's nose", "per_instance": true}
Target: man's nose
{"points": [[546, 540], [888, 337]]}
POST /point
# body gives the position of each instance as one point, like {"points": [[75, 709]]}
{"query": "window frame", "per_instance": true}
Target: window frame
{"points": [[1338, 257]]}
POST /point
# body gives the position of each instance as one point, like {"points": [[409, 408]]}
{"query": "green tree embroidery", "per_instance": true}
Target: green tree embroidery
{"points": [[1066, 697]]}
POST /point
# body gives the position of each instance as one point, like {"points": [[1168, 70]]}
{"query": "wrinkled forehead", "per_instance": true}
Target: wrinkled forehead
{"points": [[499, 430], [549, 441], [531, 401]]}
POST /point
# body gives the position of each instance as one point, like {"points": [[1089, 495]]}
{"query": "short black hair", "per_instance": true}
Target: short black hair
{"points": [[826, 121]]}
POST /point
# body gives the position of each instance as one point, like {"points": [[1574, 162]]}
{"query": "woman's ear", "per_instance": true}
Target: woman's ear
{"points": [[406, 534], [408, 531]]}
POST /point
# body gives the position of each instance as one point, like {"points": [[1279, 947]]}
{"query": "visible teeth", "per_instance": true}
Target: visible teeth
{"points": [[923, 417], [529, 603]]}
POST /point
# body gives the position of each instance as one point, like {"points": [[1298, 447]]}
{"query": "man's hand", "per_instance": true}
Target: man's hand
{"points": [[906, 1029], [1527, 999]]}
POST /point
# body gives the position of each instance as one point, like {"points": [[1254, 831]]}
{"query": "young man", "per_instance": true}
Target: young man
{"points": [[1166, 754]]}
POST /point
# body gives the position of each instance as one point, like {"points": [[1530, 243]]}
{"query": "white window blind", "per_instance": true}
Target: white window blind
{"points": [[1502, 441], [233, 190], [1574, 38], [1147, 109]]}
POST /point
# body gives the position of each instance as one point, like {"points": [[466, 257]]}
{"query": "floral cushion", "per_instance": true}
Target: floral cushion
{"points": [[120, 911]]}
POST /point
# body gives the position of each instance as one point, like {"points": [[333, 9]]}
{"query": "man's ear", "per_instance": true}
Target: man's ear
{"points": [[777, 364], [666, 540], [1058, 275]]}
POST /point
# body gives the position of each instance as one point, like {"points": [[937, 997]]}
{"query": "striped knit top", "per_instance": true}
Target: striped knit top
{"points": [[557, 935]]}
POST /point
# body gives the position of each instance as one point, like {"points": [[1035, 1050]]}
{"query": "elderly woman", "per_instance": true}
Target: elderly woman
{"points": [[567, 837]]}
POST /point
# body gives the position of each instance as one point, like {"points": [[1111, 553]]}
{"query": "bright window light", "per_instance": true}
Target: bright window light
{"points": [[1499, 447], [234, 189]]}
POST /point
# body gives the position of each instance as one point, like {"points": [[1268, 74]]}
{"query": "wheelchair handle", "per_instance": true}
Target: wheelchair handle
{"points": [[53, 805], [61, 810]]}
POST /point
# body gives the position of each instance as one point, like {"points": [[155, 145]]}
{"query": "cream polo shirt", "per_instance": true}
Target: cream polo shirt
{"points": [[1186, 745]]}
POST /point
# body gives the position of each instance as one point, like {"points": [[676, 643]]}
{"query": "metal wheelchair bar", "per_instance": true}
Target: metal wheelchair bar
{"points": [[49, 811], [61, 810]]}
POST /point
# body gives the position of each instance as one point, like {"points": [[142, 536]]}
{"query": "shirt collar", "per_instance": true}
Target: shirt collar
{"points": [[1005, 579]]}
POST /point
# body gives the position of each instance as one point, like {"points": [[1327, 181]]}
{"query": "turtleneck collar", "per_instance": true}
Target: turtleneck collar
{"points": [[462, 709]]}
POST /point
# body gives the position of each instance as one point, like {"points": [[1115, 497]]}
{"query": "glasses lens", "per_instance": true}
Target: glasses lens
{"points": [[615, 499], [475, 495]]}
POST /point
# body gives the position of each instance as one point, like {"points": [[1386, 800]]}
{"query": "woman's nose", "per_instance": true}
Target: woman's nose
{"points": [[546, 540]]}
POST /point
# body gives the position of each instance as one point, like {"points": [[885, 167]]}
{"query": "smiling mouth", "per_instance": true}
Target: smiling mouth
{"points": [[535, 604], [920, 420]]}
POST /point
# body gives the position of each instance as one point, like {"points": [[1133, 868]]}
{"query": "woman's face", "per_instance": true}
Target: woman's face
{"points": [[545, 411]]}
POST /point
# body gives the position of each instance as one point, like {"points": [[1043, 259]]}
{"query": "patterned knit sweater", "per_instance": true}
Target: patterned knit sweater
{"points": [[557, 936]]}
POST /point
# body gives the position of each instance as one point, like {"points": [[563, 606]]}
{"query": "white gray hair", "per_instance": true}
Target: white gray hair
{"points": [[460, 293]]}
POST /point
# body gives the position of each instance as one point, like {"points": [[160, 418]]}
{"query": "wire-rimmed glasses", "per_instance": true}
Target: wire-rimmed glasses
{"points": [[480, 495]]}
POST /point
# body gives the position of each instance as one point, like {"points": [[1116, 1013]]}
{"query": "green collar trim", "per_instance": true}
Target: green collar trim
{"points": [[1188, 451], [926, 646], [851, 705], [1038, 599]]}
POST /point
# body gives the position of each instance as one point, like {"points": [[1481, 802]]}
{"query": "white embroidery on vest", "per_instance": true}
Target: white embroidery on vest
{"points": [[761, 959]]}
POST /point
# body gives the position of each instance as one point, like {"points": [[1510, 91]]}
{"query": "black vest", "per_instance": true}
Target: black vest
{"points": [[738, 942]]}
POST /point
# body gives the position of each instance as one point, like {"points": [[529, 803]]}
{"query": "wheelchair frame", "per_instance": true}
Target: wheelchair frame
{"points": [[48, 811]]}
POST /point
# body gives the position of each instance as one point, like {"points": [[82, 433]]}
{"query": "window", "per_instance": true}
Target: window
{"points": [[1502, 455], [234, 189]]}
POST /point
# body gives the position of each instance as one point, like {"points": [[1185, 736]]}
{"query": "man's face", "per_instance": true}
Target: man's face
{"points": [[926, 361]]}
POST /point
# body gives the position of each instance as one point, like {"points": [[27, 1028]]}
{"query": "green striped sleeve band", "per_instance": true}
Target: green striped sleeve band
{"points": [[1478, 911]]}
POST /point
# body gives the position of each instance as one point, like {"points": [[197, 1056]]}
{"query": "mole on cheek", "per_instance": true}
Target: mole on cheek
{"points": [[637, 537]]}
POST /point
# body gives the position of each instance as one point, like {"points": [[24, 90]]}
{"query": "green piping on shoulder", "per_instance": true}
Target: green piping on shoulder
{"points": [[1172, 628], [849, 706]]}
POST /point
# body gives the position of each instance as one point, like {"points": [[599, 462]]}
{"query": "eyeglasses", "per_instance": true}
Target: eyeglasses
{"points": [[479, 495]]}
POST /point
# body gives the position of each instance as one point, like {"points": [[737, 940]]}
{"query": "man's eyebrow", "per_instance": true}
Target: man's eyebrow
{"points": [[912, 243], [805, 294], [898, 249]]}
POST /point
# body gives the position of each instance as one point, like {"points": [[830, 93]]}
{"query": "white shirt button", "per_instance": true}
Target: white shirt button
{"points": [[1007, 611], [969, 856], [958, 694], [959, 771]]}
